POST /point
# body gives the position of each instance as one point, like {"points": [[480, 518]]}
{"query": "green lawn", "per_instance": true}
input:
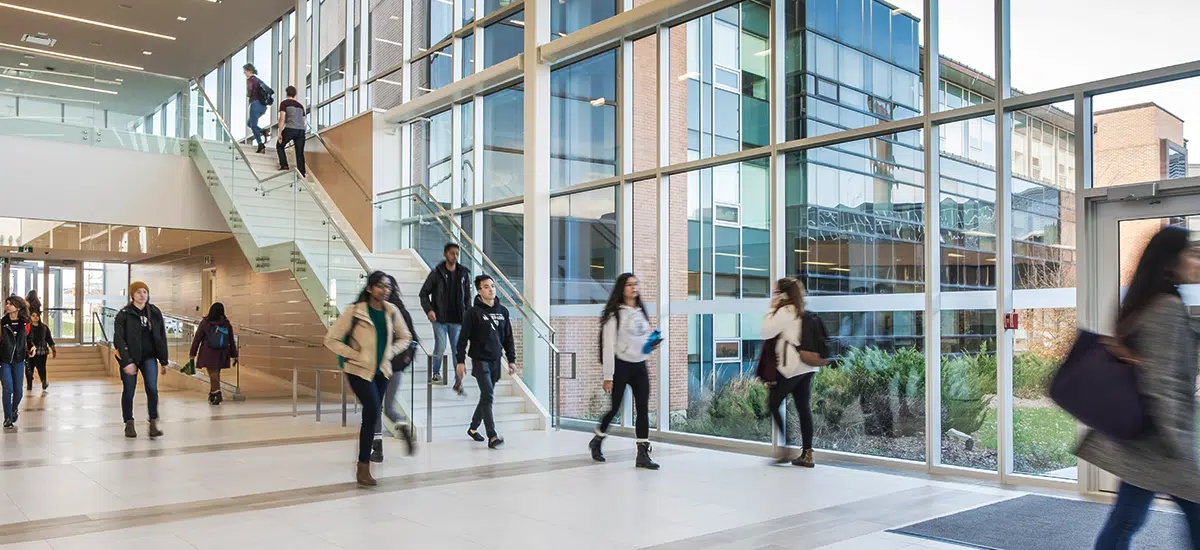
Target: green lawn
{"points": [[1043, 438]]}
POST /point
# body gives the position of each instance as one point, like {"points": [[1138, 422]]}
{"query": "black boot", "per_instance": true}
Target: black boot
{"points": [[595, 445], [409, 440], [377, 450], [643, 457], [220, 397], [212, 398]]}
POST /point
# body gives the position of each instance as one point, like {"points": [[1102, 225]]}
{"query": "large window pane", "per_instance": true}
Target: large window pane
{"points": [[568, 16], [504, 40], [468, 153], [968, 207], [433, 72], [727, 229], [331, 75], [238, 103], [583, 246], [967, 40], [720, 82], [264, 60], [431, 152], [1140, 135], [856, 215], [436, 25], [503, 144], [583, 121], [724, 398], [504, 241], [969, 400], [862, 71]]}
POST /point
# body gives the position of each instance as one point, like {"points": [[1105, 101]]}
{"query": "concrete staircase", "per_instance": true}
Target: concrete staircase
{"points": [[279, 225]]}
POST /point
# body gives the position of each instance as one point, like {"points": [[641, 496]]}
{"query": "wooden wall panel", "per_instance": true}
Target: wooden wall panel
{"points": [[351, 142]]}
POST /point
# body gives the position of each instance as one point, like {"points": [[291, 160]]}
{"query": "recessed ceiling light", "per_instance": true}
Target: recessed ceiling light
{"points": [[119, 79], [125, 6], [181, 18], [59, 84], [23, 64], [69, 56], [97, 44], [28, 56], [394, 18], [88, 21], [147, 52]]}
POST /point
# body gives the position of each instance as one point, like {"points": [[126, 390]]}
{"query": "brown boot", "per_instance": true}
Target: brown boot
{"points": [[130, 431], [154, 431], [364, 475], [805, 459]]}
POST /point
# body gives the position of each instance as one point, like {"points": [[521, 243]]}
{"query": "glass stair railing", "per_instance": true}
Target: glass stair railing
{"points": [[425, 226]]}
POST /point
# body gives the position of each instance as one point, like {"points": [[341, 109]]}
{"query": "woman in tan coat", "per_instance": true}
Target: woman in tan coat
{"points": [[365, 337]]}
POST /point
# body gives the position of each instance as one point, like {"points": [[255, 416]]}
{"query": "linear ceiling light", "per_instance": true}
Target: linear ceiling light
{"points": [[88, 21], [72, 57], [72, 86]]}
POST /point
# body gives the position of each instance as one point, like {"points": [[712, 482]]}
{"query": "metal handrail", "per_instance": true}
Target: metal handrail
{"points": [[334, 156], [244, 328], [229, 132], [441, 214]]}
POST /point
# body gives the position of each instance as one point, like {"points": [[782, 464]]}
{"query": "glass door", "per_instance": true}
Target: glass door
{"points": [[1123, 230], [23, 276], [61, 304]]}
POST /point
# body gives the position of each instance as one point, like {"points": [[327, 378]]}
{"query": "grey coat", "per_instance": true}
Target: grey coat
{"points": [[1163, 459]]}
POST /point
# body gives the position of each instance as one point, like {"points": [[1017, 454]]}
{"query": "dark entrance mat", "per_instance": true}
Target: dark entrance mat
{"points": [[1034, 522]]}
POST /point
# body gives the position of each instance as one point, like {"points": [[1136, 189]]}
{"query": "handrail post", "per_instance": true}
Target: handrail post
{"points": [[429, 400], [295, 388], [317, 375], [343, 378]]}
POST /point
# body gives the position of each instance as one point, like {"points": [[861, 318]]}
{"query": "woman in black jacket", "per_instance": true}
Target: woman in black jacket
{"points": [[41, 346], [140, 338], [213, 348], [14, 327]]}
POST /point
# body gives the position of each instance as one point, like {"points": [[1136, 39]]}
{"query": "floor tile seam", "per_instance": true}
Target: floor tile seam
{"points": [[183, 420], [120, 519]]}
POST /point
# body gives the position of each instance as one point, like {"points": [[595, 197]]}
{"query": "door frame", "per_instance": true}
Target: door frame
{"points": [[1098, 296], [77, 266]]}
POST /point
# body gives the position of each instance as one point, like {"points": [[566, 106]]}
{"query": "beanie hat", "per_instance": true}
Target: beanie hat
{"points": [[133, 287]]}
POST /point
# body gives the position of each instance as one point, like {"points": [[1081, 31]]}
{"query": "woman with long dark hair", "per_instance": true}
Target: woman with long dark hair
{"points": [[400, 362], [626, 341], [41, 346], [14, 328], [1154, 323], [35, 305], [365, 337], [796, 338], [214, 347]]}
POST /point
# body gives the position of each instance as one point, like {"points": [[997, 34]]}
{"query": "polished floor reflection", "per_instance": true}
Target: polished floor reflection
{"points": [[251, 474]]}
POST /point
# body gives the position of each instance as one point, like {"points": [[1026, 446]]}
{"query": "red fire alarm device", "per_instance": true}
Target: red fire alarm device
{"points": [[1012, 321]]}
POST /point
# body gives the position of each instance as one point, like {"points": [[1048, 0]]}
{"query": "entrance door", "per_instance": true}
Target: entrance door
{"points": [[208, 289], [62, 301], [1122, 230]]}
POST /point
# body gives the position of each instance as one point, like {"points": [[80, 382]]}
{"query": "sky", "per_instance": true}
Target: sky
{"points": [[1057, 43]]}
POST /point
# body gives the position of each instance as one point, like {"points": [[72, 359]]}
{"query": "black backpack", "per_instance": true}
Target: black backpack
{"points": [[266, 94], [218, 336]]}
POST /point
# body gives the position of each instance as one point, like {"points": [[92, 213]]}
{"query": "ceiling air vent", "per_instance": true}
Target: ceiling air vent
{"points": [[39, 40]]}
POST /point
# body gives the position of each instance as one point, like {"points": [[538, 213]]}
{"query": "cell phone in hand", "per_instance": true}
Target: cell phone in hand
{"points": [[652, 342]]}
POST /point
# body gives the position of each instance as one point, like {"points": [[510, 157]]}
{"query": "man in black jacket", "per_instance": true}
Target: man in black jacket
{"points": [[444, 297], [140, 339], [488, 331]]}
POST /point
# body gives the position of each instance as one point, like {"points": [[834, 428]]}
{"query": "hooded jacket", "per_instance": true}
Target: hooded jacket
{"points": [[623, 337], [488, 331], [127, 336], [358, 349], [437, 294]]}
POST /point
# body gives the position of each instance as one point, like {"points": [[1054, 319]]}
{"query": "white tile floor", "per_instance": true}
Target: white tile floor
{"points": [[67, 462]]}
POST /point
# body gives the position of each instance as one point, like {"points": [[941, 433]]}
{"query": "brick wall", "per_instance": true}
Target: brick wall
{"points": [[1128, 144], [387, 23], [584, 396]]}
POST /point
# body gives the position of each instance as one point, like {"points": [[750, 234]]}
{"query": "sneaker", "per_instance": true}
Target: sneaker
{"points": [[45, 386], [496, 442], [29, 387], [377, 450], [284, 168], [409, 440], [8, 424], [437, 377], [212, 399], [261, 149], [458, 388], [475, 435]]}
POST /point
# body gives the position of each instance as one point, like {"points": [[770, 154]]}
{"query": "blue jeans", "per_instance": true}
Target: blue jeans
{"points": [[257, 108], [149, 370], [389, 407], [441, 333], [10, 379], [369, 394], [1129, 513]]}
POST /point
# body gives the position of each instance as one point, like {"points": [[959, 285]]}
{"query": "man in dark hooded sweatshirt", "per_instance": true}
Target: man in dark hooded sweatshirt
{"points": [[445, 297], [487, 329]]}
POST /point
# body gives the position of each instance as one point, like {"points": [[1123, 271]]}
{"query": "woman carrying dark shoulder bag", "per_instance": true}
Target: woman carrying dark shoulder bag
{"points": [[800, 351]]}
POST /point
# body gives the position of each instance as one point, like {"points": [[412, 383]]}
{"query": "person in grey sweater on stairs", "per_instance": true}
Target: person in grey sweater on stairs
{"points": [[626, 341]]}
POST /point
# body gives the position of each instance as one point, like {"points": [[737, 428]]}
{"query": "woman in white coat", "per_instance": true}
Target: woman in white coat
{"points": [[798, 361]]}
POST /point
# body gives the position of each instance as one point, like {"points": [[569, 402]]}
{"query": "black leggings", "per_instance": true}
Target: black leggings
{"points": [[800, 388], [637, 378], [38, 363]]}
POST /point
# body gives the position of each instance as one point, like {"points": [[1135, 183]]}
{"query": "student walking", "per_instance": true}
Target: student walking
{"points": [[140, 339], [365, 337], [800, 349], [258, 94], [626, 341], [400, 363], [486, 335], [40, 344], [213, 348], [292, 128], [35, 305], [444, 297], [1153, 322], [14, 328]]}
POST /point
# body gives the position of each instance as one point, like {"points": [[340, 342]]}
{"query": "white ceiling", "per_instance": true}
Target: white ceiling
{"points": [[212, 31]]}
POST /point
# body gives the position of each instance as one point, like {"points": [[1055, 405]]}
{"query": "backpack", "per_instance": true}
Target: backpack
{"points": [[265, 93], [218, 336]]}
